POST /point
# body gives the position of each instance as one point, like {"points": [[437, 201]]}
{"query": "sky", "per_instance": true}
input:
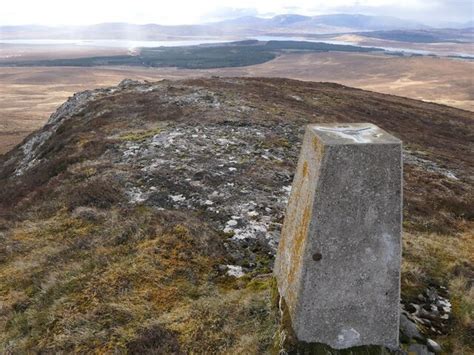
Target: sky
{"points": [[174, 12]]}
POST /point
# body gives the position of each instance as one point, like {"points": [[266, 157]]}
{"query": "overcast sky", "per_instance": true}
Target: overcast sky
{"points": [[172, 12]]}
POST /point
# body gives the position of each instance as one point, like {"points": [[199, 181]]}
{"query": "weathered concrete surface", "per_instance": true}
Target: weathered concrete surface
{"points": [[338, 262]]}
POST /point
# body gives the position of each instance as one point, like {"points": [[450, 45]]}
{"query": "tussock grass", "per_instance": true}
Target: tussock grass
{"points": [[446, 260], [133, 284]]}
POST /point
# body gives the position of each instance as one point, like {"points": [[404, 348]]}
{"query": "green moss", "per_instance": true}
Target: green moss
{"points": [[264, 264], [228, 234], [140, 136], [180, 230], [260, 284], [18, 325]]}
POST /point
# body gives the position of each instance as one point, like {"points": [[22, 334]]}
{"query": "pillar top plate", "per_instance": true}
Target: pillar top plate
{"points": [[352, 133]]}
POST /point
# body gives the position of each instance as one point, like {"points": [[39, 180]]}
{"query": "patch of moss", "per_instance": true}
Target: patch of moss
{"points": [[140, 136], [260, 284]]}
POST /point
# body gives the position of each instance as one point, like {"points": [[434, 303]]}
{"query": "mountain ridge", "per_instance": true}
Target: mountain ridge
{"points": [[242, 26]]}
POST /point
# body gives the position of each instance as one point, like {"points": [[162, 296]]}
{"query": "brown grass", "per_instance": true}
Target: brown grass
{"points": [[447, 260], [79, 286]]}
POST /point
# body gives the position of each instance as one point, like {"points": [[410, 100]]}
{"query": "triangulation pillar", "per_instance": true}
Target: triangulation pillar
{"points": [[338, 261]]}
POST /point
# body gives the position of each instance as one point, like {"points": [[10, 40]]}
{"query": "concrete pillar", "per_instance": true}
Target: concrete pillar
{"points": [[338, 261]]}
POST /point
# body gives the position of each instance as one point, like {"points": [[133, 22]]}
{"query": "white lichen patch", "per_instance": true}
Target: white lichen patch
{"points": [[135, 195], [30, 149], [409, 157], [232, 223], [177, 198], [235, 271]]}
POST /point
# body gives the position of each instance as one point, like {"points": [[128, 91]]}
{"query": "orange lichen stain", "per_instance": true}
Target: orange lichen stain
{"points": [[305, 169], [318, 147], [295, 230], [296, 254], [294, 200], [298, 244]]}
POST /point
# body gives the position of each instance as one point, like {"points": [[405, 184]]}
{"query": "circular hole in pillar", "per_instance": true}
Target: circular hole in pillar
{"points": [[317, 256]]}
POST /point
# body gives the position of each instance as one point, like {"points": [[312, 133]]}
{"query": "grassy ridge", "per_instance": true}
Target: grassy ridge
{"points": [[85, 270]]}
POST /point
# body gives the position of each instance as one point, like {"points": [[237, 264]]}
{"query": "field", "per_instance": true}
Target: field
{"points": [[19, 52], [28, 95]]}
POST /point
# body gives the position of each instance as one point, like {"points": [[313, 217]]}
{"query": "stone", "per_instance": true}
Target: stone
{"points": [[431, 294], [128, 82], [338, 261], [433, 346], [427, 315], [418, 349], [413, 308], [409, 330]]}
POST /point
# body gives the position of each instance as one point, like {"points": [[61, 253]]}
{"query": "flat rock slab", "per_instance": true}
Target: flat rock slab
{"points": [[338, 262]]}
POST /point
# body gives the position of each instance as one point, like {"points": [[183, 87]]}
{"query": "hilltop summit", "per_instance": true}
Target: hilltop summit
{"points": [[145, 216]]}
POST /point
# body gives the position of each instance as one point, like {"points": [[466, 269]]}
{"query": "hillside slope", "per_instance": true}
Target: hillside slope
{"points": [[146, 216]]}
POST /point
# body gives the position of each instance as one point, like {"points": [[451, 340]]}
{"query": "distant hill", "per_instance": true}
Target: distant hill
{"points": [[243, 26], [337, 20], [364, 22]]}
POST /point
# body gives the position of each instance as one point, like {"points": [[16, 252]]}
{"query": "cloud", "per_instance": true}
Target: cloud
{"points": [[187, 11]]}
